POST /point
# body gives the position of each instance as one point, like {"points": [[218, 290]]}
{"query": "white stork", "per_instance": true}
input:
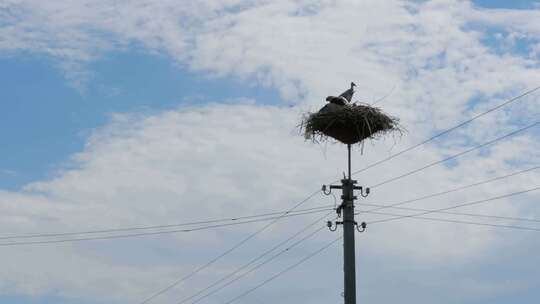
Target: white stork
{"points": [[344, 98]]}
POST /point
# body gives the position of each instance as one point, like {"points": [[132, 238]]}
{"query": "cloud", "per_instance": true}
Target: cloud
{"points": [[305, 49], [241, 158], [213, 162]]}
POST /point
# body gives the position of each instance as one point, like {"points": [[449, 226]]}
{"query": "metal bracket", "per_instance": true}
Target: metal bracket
{"points": [[338, 210], [329, 225], [363, 226], [327, 189], [362, 193], [332, 226], [323, 189]]}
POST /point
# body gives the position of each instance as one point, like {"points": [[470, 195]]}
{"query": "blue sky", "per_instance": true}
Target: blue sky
{"points": [[43, 112], [192, 147], [45, 119], [517, 4]]}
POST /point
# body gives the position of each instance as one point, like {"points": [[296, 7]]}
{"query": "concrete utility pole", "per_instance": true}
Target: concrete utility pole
{"points": [[349, 225]]}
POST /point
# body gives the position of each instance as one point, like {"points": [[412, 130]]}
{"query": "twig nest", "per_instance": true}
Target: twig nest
{"points": [[349, 124]]}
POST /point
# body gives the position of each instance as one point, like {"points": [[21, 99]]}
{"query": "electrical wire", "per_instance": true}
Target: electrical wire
{"points": [[453, 213], [291, 267], [457, 206], [379, 205], [416, 216], [42, 235], [391, 205], [226, 252], [251, 262], [384, 97], [455, 155], [459, 221], [109, 237], [261, 264], [396, 217], [446, 131], [277, 218]]}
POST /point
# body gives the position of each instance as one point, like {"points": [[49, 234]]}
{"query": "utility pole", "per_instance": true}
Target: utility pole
{"points": [[348, 123], [348, 185]]}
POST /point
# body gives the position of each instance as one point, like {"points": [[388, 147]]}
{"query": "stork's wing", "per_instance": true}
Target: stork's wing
{"points": [[336, 100], [347, 94]]}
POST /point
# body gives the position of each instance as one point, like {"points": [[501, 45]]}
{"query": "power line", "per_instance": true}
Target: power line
{"points": [[384, 97], [109, 237], [457, 206], [418, 216], [303, 260], [415, 216], [381, 213], [380, 206], [447, 130], [233, 219], [384, 206], [252, 261], [374, 164], [370, 166], [452, 213], [459, 221], [237, 245], [260, 264], [455, 155]]}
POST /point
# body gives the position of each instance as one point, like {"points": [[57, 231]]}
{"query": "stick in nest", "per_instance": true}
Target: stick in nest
{"points": [[349, 124]]}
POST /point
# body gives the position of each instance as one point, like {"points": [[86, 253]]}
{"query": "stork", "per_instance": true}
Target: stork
{"points": [[344, 98]]}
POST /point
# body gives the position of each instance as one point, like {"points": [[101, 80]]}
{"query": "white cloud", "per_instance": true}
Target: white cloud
{"points": [[211, 162], [306, 49], [221, 160]]}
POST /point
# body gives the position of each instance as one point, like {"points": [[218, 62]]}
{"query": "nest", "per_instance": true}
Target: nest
{"points": [[349, 124]]}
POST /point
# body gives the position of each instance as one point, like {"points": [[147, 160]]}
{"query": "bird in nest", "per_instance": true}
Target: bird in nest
{"points": [[344, 98]]}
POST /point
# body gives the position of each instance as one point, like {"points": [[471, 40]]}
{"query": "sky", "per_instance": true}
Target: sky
{"points": [[121, 114]]}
